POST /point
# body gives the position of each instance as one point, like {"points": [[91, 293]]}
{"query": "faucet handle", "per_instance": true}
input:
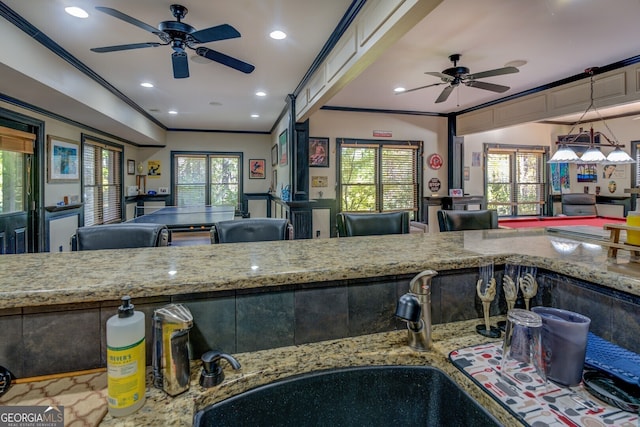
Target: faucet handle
{"points": [[212, 373]]}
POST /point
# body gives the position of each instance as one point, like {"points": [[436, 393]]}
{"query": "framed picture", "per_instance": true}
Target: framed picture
{"points": [[274, 180], [319, 152], [274, 155], [131, 167], [455, 192], [256, 168], [63, 161], [283, 142]]}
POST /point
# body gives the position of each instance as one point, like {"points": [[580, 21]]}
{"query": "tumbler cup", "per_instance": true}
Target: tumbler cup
{"points": [[564, 344], [522, 345]]}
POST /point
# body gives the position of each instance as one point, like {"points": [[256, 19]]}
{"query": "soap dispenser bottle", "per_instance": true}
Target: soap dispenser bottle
{"points": [[125, 360]]}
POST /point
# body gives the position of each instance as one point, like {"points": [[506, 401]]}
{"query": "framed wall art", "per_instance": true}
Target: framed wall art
{"points": [[256, 168], [63, 163], [283, 142], [131, 167], [319, 152], [274, 155]]}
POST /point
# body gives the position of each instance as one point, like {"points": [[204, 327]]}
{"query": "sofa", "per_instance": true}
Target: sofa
{"points": [[579, 204]]}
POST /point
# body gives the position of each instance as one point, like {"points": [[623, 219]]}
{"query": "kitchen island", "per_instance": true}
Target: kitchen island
{"points": [[32, 280], [47, 287]]}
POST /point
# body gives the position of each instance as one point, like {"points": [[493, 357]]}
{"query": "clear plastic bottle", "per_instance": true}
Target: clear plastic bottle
{"points": [[125, 360]]}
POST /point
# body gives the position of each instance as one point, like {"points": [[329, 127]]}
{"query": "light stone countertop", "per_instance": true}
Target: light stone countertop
{"points": [[29, 280], [266, 366]]}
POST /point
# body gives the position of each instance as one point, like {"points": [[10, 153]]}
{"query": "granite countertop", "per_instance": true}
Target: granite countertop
{"points": [[261, 367], [92, 276]]}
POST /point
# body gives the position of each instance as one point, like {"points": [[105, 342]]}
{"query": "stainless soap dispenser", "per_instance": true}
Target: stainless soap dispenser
{"points": [[171, 368]]}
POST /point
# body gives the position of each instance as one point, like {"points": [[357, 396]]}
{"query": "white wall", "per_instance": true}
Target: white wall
{"points": [[254, 146], [625, 129], [339, 124]]}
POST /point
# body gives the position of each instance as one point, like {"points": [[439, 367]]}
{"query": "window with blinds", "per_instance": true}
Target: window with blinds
{"points": [[207, 179], [102, 182], [379, 176], [515, 181]]}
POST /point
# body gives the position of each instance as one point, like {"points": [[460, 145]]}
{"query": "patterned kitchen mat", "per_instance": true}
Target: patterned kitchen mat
{"points": [[525, 395], [84, 397]]}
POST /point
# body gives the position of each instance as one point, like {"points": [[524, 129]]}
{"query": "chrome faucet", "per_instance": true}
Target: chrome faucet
{"points": [[415, 309]]}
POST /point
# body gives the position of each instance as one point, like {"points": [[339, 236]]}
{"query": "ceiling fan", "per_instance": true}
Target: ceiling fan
{"points": [[180, 36], [456, 75]]}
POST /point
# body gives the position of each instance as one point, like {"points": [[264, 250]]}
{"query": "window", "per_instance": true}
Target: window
{"points": [[515, 180], [207, 178], [101, 182], [15, 149], [379, 176]]}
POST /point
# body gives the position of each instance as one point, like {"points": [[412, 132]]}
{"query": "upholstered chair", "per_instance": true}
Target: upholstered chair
{"points": [[367, 224], [467, 220], [251, 230]]}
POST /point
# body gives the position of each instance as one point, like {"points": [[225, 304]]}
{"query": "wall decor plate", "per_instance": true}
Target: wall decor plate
{"points": [[435, 161]]}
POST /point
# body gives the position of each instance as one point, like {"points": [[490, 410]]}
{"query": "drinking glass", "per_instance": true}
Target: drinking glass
{"points": [[522, 345]]}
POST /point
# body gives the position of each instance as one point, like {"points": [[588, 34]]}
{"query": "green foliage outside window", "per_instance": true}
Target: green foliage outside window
{"points": [[11, 181]]}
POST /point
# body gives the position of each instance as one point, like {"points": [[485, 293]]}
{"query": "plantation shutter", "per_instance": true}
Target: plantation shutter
{"points": [[102, 176], [399, 178]]}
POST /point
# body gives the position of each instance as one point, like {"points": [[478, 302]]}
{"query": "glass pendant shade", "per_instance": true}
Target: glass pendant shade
{"points": [[593, 155], [564, 155], [619, 156]]}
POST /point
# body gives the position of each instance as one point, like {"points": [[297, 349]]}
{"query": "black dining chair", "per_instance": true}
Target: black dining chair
{"points": [[458, 220], [370, 224], [120, 236], [251, 230]]}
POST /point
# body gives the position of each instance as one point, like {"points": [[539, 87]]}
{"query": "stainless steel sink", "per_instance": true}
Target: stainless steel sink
{"points": [[361, 396]]}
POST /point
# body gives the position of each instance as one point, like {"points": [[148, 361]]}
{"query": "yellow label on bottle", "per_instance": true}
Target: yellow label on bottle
{"points": [[125, 375]]}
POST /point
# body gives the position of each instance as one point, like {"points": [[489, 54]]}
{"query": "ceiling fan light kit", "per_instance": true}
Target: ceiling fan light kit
{"points": [[593, 154], [180, 36], [456, 75]]}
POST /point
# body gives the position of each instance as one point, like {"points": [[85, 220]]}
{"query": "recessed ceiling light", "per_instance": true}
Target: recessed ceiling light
{"points": [[173, 112], [261, 93], [146, 84], [255, 116], [76, 11], [399, 89], [277, 35]]}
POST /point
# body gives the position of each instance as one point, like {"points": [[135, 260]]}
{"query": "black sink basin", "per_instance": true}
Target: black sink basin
{"points": [[362, 396]]}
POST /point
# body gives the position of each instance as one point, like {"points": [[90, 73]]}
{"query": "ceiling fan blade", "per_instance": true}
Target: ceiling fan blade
{"points": [[220, 32], [487, 86], [445, 94], [489, 73], [128, 19], [125, 47], [180, 65], [418, 88], [225, 60], [442, 76]]}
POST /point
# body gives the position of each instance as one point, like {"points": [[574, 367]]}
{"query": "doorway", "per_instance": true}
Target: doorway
{"points": [[20, 143]]}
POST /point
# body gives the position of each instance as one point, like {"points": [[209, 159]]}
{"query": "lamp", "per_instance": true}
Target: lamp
{"points": [[565, 154]]}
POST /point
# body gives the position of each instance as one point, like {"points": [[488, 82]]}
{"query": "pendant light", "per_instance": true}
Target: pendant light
{"points": [[565, 154]]}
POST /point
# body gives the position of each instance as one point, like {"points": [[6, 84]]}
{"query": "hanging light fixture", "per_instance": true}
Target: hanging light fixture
{"points": [[565, 154]]}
